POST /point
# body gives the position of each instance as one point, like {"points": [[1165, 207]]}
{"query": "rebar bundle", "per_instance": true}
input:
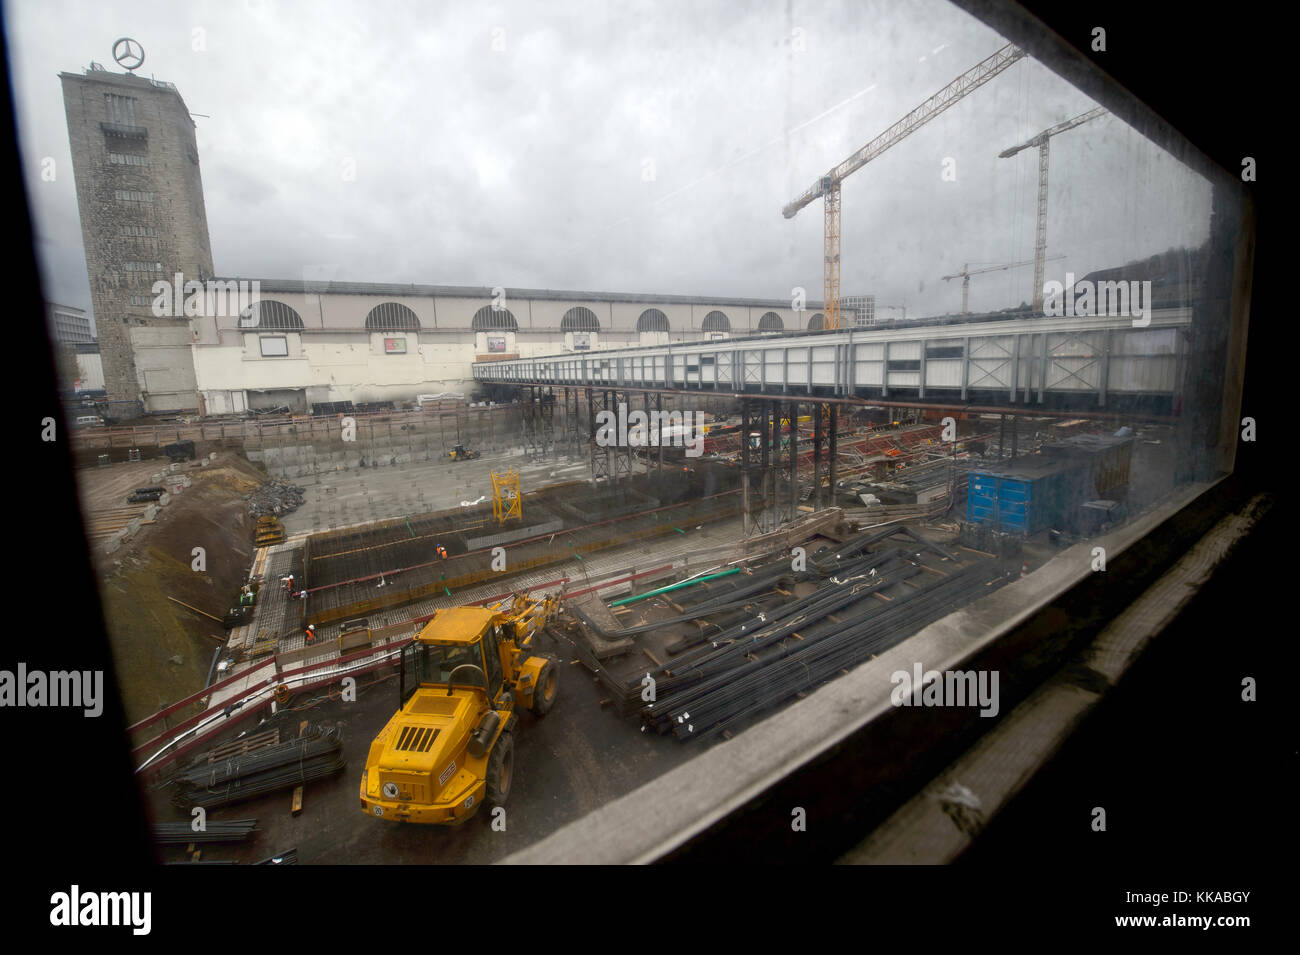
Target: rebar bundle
{"points": [[182, 833], [317, 754], [779, 648], [727, 690]]}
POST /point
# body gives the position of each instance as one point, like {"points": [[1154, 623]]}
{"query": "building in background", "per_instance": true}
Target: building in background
{"points": [[305, 343], [859, 310], [90, 368], [140, 199], [299, 343], [68, 325]]}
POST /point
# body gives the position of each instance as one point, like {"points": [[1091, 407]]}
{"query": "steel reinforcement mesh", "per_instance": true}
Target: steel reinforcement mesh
{"points": [[363, 570]]}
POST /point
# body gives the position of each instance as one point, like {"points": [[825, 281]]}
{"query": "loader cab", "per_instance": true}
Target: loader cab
{"points": [[454, 651]]}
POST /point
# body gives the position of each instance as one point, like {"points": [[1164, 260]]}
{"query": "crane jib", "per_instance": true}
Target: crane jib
{"points": [[973, 78]]}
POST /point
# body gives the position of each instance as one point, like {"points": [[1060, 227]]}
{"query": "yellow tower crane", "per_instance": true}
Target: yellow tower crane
{"points": [[827, 187], [1040, 240]]}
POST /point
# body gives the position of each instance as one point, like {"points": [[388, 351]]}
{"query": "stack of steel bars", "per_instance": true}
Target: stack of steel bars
{"points": [[318, 753], [748, 677], [776, 652], [182, 833]]}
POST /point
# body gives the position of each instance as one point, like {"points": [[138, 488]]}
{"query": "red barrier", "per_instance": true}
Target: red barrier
{"points": [[161, 740]]}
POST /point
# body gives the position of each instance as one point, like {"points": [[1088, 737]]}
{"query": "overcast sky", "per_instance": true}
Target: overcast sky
{"points": [[513, 144]]}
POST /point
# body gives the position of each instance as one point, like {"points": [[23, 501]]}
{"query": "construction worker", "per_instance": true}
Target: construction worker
{"points": [[442, 552], [310, 633]]}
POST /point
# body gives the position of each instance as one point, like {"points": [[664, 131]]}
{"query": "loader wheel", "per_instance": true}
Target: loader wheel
{"points": [[547, 689], [501, 769]]}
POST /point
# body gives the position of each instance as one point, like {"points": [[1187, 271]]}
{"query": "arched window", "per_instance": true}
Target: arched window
{"points": [[579, 319], [771, 322], [485, 319], [652, 320], [817, 323], [270, 315], [715, 322], [392, 317]]}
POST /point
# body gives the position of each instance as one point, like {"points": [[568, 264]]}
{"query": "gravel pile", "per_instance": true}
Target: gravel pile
{"points": [[275, 497]]}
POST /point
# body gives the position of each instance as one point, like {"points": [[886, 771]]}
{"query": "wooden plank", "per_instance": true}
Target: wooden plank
{"points": [[195, 609], [243, 746], [297, 800]]}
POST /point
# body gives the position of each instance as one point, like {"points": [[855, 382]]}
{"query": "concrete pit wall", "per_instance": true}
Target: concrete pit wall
{"points": [[318, 447]]}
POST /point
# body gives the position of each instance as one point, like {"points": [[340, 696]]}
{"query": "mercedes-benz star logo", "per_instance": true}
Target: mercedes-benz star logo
{"points": [[128, 53]]}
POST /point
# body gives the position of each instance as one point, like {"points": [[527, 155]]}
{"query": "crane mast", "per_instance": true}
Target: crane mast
{"points": [[1042, 141]]}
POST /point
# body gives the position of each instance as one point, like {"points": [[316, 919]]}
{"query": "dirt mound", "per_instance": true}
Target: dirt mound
{"points": [[199, 553]]}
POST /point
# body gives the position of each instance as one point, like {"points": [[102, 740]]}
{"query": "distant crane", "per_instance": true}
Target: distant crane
{"points": [[966, 272], [1041, 141], [827, 187]]}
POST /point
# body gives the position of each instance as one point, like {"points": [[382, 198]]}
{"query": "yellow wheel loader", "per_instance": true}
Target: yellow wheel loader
{"points": [[450, 746]]}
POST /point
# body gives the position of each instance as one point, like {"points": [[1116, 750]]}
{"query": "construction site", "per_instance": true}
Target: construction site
{"points": [[356, 622], [801, 542]]}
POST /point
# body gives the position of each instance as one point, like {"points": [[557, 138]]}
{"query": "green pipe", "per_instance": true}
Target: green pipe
{"points": [[684, 583]]}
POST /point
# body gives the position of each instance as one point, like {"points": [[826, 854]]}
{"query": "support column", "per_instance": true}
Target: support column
{"points": [[659, 406], [775, 485], [818, 412], [794, 456], [622, 451], [765, 444], [599, 455], [835, 448], [747, 521], [646, 400]]}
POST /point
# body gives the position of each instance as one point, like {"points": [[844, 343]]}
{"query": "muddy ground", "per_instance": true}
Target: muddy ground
{"points": [[162, 651]]}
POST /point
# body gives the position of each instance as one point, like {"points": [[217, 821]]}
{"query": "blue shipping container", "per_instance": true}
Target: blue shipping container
{"points": [[1024, 498]]}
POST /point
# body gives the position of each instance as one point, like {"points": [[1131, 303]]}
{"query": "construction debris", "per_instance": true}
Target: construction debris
{"points": [[275, 498]]}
